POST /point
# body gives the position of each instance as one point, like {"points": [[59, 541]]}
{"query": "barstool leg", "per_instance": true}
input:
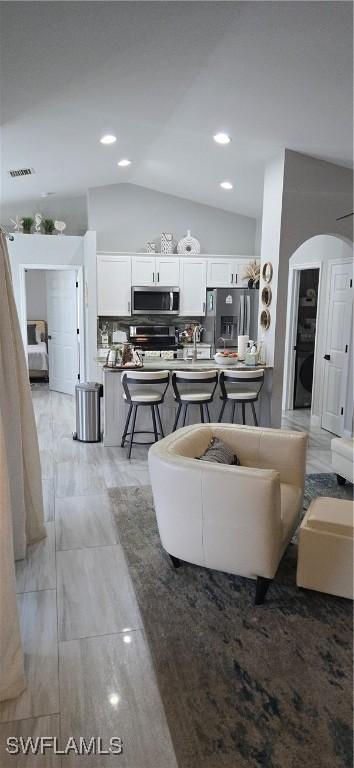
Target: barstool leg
{"points": [[126, 425], [154, 422], [185, 413], [135, 410], [177, 417], [201, 413], [243, 414], [233, 412], [222, 410], [254, 414], [207, 410], [159, 420]]}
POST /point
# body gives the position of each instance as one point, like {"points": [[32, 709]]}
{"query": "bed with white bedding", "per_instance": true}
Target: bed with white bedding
{"points": [[37, 351]]}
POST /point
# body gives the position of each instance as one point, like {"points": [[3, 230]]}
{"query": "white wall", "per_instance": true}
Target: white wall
{"points": [[72, 210], [320, 250], [36, 294], [127, 216], [303, 197]]}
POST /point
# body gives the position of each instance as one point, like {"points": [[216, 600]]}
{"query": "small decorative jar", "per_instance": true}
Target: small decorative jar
{"points": [[150, 247]]}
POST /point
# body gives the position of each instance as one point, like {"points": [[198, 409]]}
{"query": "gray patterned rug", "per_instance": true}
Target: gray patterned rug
{"points": [[242, 686]]}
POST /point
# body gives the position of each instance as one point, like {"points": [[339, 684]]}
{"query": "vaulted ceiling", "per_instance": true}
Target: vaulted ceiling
{"points": [[164, 77]]}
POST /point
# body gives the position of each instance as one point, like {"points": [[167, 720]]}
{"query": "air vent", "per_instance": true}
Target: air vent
{"points": [[21, 172]]}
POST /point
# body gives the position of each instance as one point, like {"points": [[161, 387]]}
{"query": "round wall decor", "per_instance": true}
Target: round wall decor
{"points": [[188, 245], [267, 272], [266, 295], [265, 319]]}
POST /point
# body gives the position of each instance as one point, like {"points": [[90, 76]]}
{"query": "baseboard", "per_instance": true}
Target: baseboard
{"points": [[347, 433], [315, 420]]}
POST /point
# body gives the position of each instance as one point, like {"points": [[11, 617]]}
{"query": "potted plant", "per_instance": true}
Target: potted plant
{"points": [[27, 223], [48, 226], [251, 273]]}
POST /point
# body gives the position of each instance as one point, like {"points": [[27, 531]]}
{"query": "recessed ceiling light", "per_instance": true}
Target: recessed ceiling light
{"points": [[226, 185], [108, 139], [123, 163], [46, 194], [222, 138]]}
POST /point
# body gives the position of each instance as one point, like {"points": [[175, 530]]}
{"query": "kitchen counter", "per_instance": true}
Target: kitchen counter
{"points": [[184, 365], [115, 408]]}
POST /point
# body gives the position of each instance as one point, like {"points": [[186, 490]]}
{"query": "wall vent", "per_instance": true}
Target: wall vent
{"points": [[21, 172]]}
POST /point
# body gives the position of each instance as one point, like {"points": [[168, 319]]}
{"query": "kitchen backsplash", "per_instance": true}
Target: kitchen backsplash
{"points": [[110, 324]]}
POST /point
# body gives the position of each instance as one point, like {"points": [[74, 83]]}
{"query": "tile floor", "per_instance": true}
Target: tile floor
{"points": [[87, 661]]}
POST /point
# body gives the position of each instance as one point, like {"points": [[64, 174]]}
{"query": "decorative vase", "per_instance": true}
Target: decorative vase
{"points": [[188, 245], [150, 247], [250, 283], [256, 284], [167, 244]]}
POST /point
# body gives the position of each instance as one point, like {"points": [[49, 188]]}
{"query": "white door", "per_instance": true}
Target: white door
{"points": [[62, 318], [143, 270], [220, 273], [167, 271], [113, 285], [337, 347], [193, 287]]}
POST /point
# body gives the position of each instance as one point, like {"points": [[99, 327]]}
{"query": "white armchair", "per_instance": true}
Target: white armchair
{"points": [[237, 519]]}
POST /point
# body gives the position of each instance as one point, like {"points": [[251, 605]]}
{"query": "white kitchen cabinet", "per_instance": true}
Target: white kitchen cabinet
{"points": [[193, 280], [225, 272], [167, 271], [155, 270], [220, 272], [143, 270], [113, 284]]}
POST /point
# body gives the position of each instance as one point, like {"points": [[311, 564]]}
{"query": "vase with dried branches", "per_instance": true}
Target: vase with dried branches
{"points": [[252, 273]]}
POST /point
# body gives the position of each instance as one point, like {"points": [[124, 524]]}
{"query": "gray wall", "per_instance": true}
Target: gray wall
{"points": [[36, 294], [303, 197], [126, 216], [72, 210]]}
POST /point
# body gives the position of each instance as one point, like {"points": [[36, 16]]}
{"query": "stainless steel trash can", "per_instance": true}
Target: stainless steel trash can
{"points": [[88, 407]]}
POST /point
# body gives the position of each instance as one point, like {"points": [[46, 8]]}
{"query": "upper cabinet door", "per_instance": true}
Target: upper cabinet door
{"points": [[143, 270], [167, 271], [193, 274], [113, 285], [220, 273]]}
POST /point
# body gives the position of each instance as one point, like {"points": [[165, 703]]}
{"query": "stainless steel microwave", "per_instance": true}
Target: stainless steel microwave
{"points": [[155, 301]]}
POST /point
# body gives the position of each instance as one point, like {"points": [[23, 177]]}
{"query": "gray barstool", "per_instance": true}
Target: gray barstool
{"points": [[240, 394], [202, 395], [145, 395]]}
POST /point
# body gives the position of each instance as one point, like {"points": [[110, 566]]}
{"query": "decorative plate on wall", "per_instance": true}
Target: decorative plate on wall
{"points": [[266, 295], [188, 245], [265, 319], [267, 271]]}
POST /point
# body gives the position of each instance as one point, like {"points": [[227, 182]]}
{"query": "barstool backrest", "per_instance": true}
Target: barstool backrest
{"points": [[193, 377], [133, 377], [235, 377], [243, 376]]}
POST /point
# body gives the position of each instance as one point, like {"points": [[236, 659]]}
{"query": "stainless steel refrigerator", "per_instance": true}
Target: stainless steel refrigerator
{"points": [[230, 312]]}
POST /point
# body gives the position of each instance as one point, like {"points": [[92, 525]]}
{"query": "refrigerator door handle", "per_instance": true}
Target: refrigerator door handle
{"points": [[248, 314], [242, 316]]}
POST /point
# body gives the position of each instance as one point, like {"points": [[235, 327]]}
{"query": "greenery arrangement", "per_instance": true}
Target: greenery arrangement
{"points": [[27, 224], [48, 226]]}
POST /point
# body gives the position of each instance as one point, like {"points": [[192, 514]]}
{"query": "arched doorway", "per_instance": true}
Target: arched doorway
{"points": [[318, 357]]}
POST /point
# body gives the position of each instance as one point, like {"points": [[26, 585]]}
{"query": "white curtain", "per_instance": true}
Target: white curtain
{"points": [[21, 501]]}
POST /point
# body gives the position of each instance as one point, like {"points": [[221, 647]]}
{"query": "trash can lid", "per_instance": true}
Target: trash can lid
{"points": [[90, 386]]}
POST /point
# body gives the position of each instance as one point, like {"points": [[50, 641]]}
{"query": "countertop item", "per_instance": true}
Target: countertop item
{"points": [[186, 365]]}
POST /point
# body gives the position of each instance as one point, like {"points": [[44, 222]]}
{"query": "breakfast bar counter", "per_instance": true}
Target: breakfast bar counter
{"points": [[115, 407]]}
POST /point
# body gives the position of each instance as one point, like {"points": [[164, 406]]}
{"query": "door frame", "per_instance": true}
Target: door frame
{"points": [[291, 328], [23, 268]]}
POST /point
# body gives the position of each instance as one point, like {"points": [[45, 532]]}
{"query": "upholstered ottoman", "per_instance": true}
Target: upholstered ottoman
{"points": [[343, 458], [325, 559]]}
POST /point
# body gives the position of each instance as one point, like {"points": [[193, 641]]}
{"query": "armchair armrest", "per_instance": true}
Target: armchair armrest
{"points": [[284, 451]]}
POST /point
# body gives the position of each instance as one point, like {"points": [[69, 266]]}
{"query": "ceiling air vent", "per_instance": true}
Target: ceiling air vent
{"points": [[21, 172]]}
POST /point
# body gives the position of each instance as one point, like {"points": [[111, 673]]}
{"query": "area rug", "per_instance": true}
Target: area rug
{"points": [[242, 686]]}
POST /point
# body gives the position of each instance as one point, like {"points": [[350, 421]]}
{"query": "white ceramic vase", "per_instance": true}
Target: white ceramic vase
{"points": [[188, 245]]}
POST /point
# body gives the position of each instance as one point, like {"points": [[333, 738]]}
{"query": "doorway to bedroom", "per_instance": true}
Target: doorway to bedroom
{"points": [[53, 312]]}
